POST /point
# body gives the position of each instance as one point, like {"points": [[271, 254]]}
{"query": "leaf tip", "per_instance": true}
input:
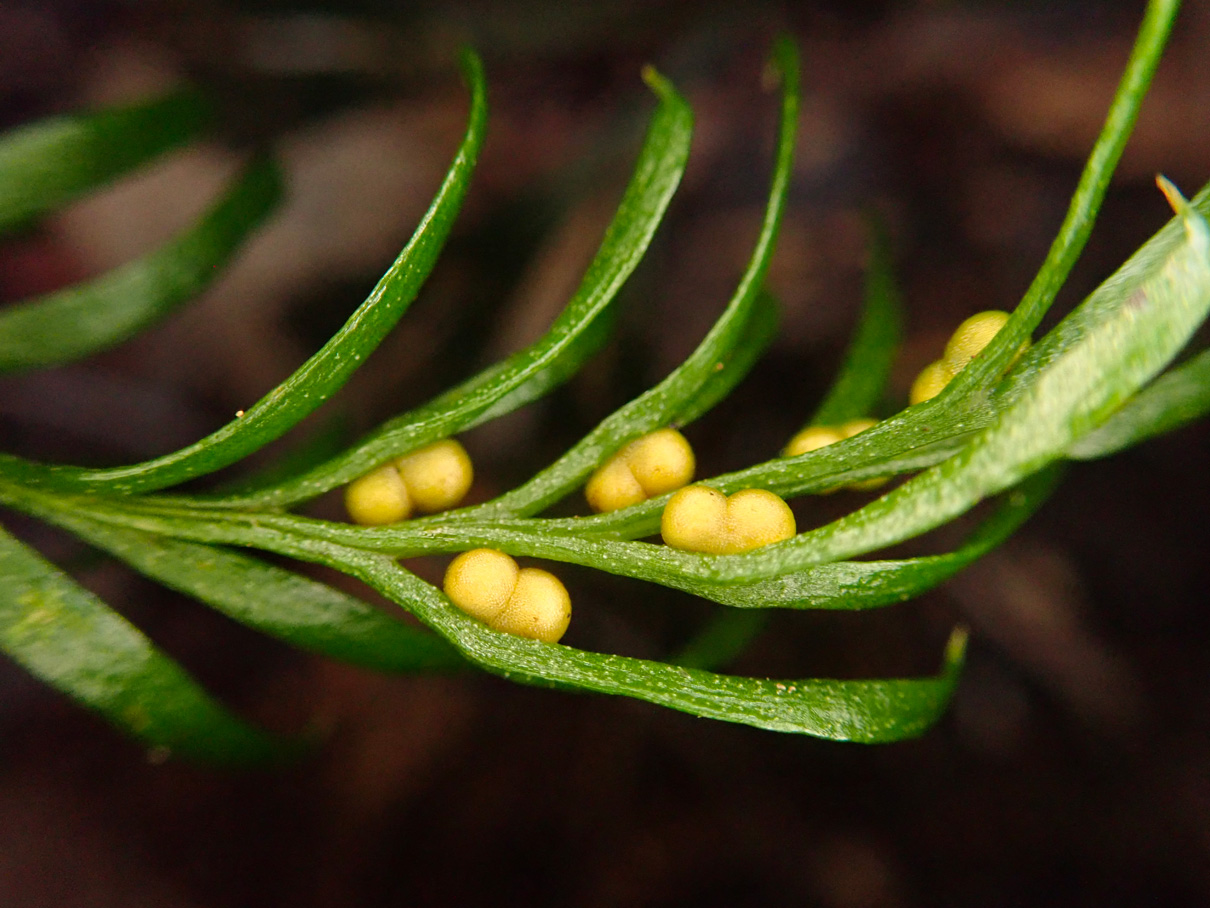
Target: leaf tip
{"points": [[655, 81], [1178, 202], [955, 650], [783, 63]]}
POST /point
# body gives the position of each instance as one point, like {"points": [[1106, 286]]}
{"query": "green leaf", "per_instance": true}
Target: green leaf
{"points": [[868, 711], [724, 637], [83, 319], [708, 373], [1176, 398], [851, 585], [319, 377], [1115, 342], [1085, 203], [51, 162], [1132, 326], [925, 434], [733, 365], [862, 710], [657, 174], [70, 639], [272, 600], [863, 375]]}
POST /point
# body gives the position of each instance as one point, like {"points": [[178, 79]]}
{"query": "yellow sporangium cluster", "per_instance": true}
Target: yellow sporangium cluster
{"points": [[813, 438], [649, 466], [428, 480], [967, 342], [527, 602], [701, 519]]}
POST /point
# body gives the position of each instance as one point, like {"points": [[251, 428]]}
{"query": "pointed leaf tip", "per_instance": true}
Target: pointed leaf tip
{"points": [[1180, 205]]}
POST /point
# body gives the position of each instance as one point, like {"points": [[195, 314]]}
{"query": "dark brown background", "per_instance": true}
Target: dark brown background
{"points": [[1074, 766]]}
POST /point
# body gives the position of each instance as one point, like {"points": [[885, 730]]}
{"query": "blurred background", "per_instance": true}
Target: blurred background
{"points": [[1074, 766]]}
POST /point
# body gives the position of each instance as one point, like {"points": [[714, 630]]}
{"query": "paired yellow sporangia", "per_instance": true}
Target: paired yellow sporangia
{"points": [[527, 602], [649, 466], [431, 479], [968, 341], [701, 519]]}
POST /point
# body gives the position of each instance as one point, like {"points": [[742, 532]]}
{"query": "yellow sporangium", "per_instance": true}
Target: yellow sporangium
{"points": [[431, 479], [526, 602], [971, 337], [649, 466], [813, 438], [930, 382], [968, 341], [701, 519]]}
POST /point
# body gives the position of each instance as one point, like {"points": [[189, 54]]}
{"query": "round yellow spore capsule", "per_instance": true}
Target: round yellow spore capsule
{"points": [[701, 519], [378, 497], [855, 427], [661, 461], [539, 607], [755, 518], [480, 583], [437, 476], [969, 338], [652, 465], [527, 602], [613, 487], [930, 382], [695, 519], [811, 439]]}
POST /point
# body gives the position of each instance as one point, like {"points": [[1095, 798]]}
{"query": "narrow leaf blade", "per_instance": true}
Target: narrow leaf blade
{"points": [[711, 370], [47, 164], [1176, 398], [657, 174], [867, 711], [70, 639], [81, 320], [272, 600], [318, 378], [863, 375]]}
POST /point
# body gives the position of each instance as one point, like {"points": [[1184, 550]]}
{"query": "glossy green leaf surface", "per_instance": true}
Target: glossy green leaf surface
{"points": [[1128, 330], [273, 600], [851, 585], [77, 321], [1092, 385], [323, 373], [708, 373], [657, 174], [49, 163], [859, 710], [868, 711], [66, 636], [1176, 398]]}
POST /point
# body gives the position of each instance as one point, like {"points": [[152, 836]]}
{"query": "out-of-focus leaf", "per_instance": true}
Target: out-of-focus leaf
{"points": [[49, 163], [71, 640], [1176, 398], [863, 375], [272, 600], [529, 371], [77, 321], [320, 376]]}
